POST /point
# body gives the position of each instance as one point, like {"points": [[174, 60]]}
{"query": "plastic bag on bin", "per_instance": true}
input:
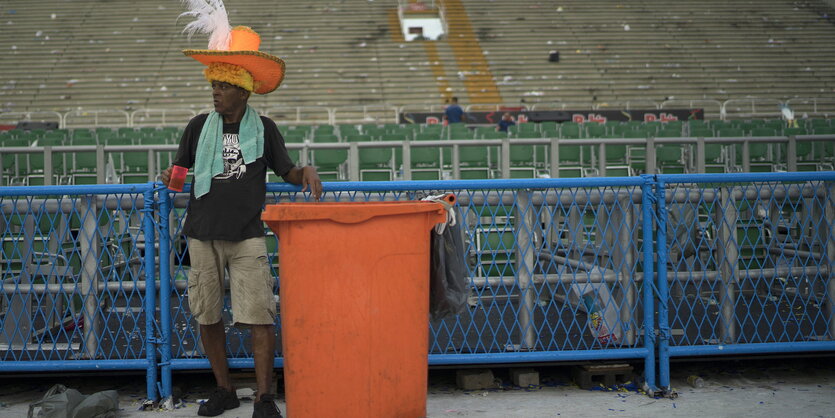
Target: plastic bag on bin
{"points": [[597, 301], [448, 277]]}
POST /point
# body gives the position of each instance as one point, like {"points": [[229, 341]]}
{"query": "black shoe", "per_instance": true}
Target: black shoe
{"points": [[265, 408], [219, 401]]}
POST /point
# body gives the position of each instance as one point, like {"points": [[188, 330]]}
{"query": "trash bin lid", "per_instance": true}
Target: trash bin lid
{"points": [[347, 212]]}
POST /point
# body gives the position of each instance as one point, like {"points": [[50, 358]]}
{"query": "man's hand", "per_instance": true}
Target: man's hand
{"points": [[311, 182], [166, 175]]}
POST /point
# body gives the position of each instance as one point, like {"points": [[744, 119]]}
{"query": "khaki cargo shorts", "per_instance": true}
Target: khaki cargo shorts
{"points": [[251, 284]]}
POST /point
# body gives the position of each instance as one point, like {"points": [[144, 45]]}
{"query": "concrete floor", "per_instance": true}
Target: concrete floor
{"points": [[798, 387]]}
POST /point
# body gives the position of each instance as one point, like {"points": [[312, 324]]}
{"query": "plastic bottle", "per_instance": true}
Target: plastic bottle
{"points": [[696, 381]]}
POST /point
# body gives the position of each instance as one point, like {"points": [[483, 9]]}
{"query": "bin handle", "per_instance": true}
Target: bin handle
{"points": [[448, 202]]}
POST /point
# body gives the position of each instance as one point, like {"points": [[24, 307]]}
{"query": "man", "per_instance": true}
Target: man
{"points": [[230, 150], [506, 122], [453, 112]]}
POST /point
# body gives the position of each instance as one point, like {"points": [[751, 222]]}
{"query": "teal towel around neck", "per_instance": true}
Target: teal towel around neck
{"points": [[208, 162]]}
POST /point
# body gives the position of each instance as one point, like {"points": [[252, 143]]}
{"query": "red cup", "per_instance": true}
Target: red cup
{"points": [[178, 178]]}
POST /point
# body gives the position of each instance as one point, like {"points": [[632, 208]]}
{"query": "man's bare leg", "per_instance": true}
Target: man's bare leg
{"points": [[213, 338], [263, 347]]}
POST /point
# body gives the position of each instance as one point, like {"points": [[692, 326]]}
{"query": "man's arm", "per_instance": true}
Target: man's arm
{"points": [[184, 156], [307, 177]]}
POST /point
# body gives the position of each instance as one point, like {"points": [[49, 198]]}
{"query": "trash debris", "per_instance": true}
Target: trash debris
{"points": [[62, 401], [596, 300], [146, 405], [167, 405], [696, 381], [629, 386], [245, 393]]}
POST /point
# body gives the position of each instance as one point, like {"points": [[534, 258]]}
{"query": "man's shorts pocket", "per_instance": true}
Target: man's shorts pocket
{"points": [[202, 295]]}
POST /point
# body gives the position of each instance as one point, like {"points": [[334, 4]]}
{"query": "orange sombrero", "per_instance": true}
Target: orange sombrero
{"points": [[267, 70]]}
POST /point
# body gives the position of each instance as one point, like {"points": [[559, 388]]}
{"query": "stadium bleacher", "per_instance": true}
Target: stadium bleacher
{"points": [[126, 55], [95, 65]]}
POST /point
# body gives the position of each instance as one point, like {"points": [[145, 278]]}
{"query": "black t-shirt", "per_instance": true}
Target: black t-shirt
{"points": [[231, 211]]}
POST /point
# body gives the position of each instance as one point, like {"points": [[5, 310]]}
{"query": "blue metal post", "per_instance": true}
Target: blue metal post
{"points": [[150, 295], [649, 307], [830, 257], [661, 283], [165, 292]]}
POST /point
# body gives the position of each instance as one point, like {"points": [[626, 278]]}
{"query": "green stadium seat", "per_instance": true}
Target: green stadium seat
{"points": [[714, 153], [636, 154], [324, 137], [571, 130], [760, 151], [548, 126], [36, 162], [775, 124], [522, 161], [81, 133], [376, 164], [324, 130], [480, 131], [671, 124], [716, 125], [813, 124], [294, 136], [474, 162], [357, 138], [330, 162], [428, 136], [459, 131], [83, 168], [426, 163], [434, 128], [173, 133], [398, 150], [824, 150], [345, 130], [650, 127], [668, 132], [669, 158], [697, 124], [595, 130]]}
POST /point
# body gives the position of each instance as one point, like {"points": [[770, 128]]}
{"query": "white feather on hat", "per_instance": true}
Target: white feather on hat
{"points": [[211, 19]]}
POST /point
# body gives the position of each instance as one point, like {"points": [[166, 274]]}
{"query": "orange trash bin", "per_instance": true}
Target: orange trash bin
{"points": [[354, 306]]}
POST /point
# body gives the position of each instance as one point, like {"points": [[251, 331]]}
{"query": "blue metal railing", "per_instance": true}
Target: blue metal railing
{"points": [[76, 293], [750, 269], [560, 270]]}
